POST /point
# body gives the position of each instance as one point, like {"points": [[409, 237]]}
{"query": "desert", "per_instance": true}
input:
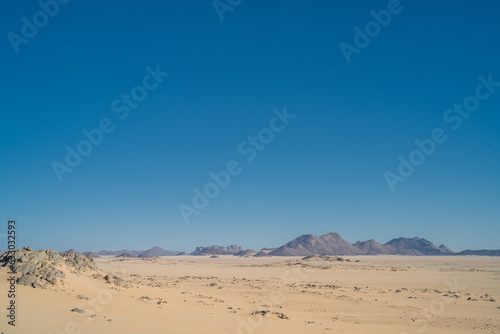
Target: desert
{"points": [[250, 167], [231, 294]]}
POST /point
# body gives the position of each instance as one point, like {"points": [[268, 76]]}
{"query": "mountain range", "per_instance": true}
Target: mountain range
{"points": [[152, 252], [217, 250], [334, 244], [308, 244]]}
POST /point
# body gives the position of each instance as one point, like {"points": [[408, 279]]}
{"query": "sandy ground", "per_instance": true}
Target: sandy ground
{"points": [[188, 294]]}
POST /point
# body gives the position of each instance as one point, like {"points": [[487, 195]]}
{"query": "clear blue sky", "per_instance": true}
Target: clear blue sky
{"points": [[323, 173]]}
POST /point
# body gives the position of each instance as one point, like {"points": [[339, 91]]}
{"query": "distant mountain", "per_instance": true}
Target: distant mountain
{"points": [[334, 244], [154, 252], [209, 251], [481, 252], [145, 255], [371, 247], [127, 255], [158, 251], [247, 252], [308, 244], [217, 250], [262, 254], [91, 254], [417, 246], [71, 251], [116, 253], [445, 248]]}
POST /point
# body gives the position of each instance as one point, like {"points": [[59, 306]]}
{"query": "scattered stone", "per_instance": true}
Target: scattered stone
{"points": [[110, 279], [78, 310], [266, 312], [281, 316], [325, 258]]}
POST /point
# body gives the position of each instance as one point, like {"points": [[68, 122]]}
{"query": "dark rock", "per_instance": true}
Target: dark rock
{"points": [[26, 280], [77, 310]]}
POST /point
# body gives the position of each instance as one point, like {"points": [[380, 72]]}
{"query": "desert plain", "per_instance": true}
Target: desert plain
{"points": [[230, 294]]}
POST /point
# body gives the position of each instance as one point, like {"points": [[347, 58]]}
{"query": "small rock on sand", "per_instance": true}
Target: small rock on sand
{"points": [[78, 310]]}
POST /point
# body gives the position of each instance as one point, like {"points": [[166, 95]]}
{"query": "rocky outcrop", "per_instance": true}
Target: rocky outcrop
{"points": [[45, 267]]}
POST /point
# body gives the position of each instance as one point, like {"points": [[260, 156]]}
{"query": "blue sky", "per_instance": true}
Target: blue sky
{"points": [[324, 172]]}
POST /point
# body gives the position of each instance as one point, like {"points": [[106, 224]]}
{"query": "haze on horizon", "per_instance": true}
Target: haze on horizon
{"points": [[210, 89]]}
